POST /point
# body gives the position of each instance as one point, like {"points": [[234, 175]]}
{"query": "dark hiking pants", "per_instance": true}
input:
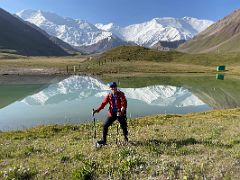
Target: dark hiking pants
{"points": [[109, 121]]}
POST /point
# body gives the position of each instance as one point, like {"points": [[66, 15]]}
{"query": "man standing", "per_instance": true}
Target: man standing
{"points": [[117, 111]]}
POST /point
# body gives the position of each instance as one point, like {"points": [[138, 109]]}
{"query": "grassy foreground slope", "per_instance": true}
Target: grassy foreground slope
{"points": [[193, 146]]}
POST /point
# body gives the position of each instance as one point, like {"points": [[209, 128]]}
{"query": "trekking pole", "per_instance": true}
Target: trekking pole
{"points": [[117, 136], [94, 127]]}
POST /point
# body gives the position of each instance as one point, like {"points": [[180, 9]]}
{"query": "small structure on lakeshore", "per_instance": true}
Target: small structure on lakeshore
{"points": [[221, 68]]}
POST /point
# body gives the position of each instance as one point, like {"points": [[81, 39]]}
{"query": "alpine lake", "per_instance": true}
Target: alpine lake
{"points": [[30, 101]]}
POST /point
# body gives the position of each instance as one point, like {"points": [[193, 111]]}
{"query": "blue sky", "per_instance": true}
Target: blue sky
{"points": [[125, 12]]}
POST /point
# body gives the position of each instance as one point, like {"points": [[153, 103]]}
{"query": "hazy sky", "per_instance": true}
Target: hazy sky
{"points": [[125, 12]]}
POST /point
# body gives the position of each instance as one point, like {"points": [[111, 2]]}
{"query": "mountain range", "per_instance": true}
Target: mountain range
{"points": [[158, 29], [39, 33], [222, 36], [90, 38]]}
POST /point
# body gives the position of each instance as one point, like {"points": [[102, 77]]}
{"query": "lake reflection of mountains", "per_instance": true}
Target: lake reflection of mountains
{"points": [[72, 100], [82, 87], [218, 94]]}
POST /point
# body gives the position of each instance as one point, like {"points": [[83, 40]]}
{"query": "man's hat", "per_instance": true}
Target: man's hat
{"points": [[112, 84]]}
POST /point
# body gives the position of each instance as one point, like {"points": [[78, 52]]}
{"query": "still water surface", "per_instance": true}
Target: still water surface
{"points": [[72, 99]]}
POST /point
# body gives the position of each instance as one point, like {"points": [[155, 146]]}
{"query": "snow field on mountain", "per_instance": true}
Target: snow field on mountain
{"points": [[82, 33]]}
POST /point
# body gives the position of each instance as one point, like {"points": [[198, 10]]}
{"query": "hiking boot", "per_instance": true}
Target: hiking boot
{"points": [[101, 142]]}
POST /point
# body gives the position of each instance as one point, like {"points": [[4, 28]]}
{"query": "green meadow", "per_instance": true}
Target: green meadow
{"points": [[192, 146]]}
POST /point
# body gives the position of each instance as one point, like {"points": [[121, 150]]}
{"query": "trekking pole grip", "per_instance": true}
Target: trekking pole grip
{"points": [[94, 124]]}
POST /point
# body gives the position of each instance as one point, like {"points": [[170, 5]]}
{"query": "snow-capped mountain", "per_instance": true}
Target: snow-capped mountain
{"points": [[81, 87], [73, 31], [158, 29], [80, 33]]}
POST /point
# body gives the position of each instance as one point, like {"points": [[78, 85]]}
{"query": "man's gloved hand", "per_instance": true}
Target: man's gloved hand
{"points": [[95, 111]]}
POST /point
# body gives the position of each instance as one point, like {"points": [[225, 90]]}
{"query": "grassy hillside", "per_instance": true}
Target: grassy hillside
{"points": [[231, 45], [138, 53], [194, 146], [136, 59]]}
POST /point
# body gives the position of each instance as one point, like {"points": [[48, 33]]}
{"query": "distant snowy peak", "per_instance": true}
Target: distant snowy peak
{"points": [[73, 31], [41, 17], [109, 27], [113, 28], [186, 23], [106, 27], [198, 24], [158, 29], [32, 16]]}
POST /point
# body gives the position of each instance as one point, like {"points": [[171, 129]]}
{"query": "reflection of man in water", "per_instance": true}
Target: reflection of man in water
{"points": [[116, 111]]}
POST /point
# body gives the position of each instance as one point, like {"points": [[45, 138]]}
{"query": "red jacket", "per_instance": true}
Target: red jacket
{"points": [[120, 101]]}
